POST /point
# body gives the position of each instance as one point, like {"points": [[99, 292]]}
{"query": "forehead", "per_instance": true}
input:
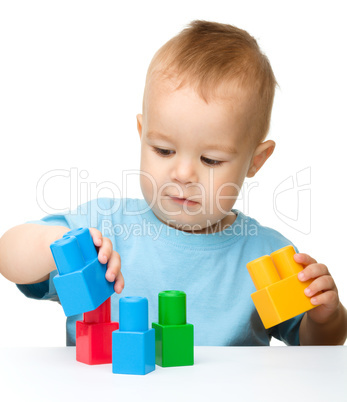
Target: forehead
{"points": [[226, 93], [226, 111]]}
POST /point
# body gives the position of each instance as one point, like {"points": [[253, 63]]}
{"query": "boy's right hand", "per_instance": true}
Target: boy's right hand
{"points": [[106, 254]]}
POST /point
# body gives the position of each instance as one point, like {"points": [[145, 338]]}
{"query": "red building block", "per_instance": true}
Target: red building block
{"points": [[94, 335]]}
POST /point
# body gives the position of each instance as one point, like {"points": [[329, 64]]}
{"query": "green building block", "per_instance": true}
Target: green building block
{"points": [[174, 338]]}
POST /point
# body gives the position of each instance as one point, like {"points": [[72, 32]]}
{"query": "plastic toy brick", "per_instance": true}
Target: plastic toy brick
{"points": [[280, 294], [133, 345], [94, 335], [174, 338], [81, 284]]}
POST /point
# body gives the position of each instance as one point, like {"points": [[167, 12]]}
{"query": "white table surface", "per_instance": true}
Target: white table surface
{"points": [[254, 374]]}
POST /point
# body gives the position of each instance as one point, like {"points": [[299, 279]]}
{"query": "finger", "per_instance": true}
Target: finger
{"points": [[113, 267], [323, 283], [313, 271], [330, 299], [119, 284], [96, 236], [105, 250], [304, 259]]}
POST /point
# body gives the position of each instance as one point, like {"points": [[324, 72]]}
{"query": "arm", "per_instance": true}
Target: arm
{"points": [[332, 332], [25, 256], [327, 323]]}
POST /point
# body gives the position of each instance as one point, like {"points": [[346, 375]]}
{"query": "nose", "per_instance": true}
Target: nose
{"points": [[184, 171]]}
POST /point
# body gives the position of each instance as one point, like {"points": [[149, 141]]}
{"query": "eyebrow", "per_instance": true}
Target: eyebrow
{"points": [[156, 135]]}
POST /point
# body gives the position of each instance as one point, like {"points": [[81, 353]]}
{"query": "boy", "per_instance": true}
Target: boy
{"points": [[206, 112]]}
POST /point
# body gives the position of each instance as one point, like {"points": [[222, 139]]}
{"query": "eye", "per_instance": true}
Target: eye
{"points": [[211, 162], [162, 152]]}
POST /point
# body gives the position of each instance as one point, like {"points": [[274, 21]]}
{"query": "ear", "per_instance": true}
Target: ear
{"points": [[139, 124], [260, 156]]}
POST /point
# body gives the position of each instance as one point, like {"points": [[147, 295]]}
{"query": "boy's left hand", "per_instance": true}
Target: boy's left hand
{"points": [[328, 299]]}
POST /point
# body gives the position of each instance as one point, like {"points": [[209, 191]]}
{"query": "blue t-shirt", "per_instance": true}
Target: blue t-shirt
{"points": [[209, 268]]}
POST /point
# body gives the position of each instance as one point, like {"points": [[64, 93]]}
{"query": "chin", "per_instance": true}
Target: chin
{"points": [[187, 224]]}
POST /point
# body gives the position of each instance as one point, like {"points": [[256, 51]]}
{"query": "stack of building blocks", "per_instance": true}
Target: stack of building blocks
{"points": [[133, 345], [81, 284], [130, 346], [174, 338], [280, 294], [94, 335]]}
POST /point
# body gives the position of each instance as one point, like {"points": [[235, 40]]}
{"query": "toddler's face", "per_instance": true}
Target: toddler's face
{"points": [[194, 157]]}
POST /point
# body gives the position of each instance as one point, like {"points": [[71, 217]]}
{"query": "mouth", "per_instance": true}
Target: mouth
{"points": [[183, 201]]}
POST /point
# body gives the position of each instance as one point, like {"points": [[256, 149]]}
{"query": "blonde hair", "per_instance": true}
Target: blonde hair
{"points": [[207, 55]]}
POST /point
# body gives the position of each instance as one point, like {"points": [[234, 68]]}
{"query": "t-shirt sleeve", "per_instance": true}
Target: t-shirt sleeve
{"points": [[45, 290], [89, 214], [41, 291], [287, 331]]}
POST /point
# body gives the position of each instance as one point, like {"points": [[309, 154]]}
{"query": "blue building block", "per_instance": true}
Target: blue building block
{"points": [[81, 284], [133, 345]]}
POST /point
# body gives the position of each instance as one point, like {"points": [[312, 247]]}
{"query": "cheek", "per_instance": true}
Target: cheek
{"points": [[149, 183], [146, 177], [226, 191], [149, 161], [226, 195], [227, 185], [145, 189], [151, 177], [144, 157]]}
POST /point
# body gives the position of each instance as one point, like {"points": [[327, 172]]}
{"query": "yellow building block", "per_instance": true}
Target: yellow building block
{"points": [[280, 295]]}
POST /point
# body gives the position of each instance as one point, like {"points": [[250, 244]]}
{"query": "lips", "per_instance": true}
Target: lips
{"points": [[183, 200]]}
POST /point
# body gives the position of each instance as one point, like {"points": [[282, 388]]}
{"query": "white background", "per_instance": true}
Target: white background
{"points": [[71, 82]]}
